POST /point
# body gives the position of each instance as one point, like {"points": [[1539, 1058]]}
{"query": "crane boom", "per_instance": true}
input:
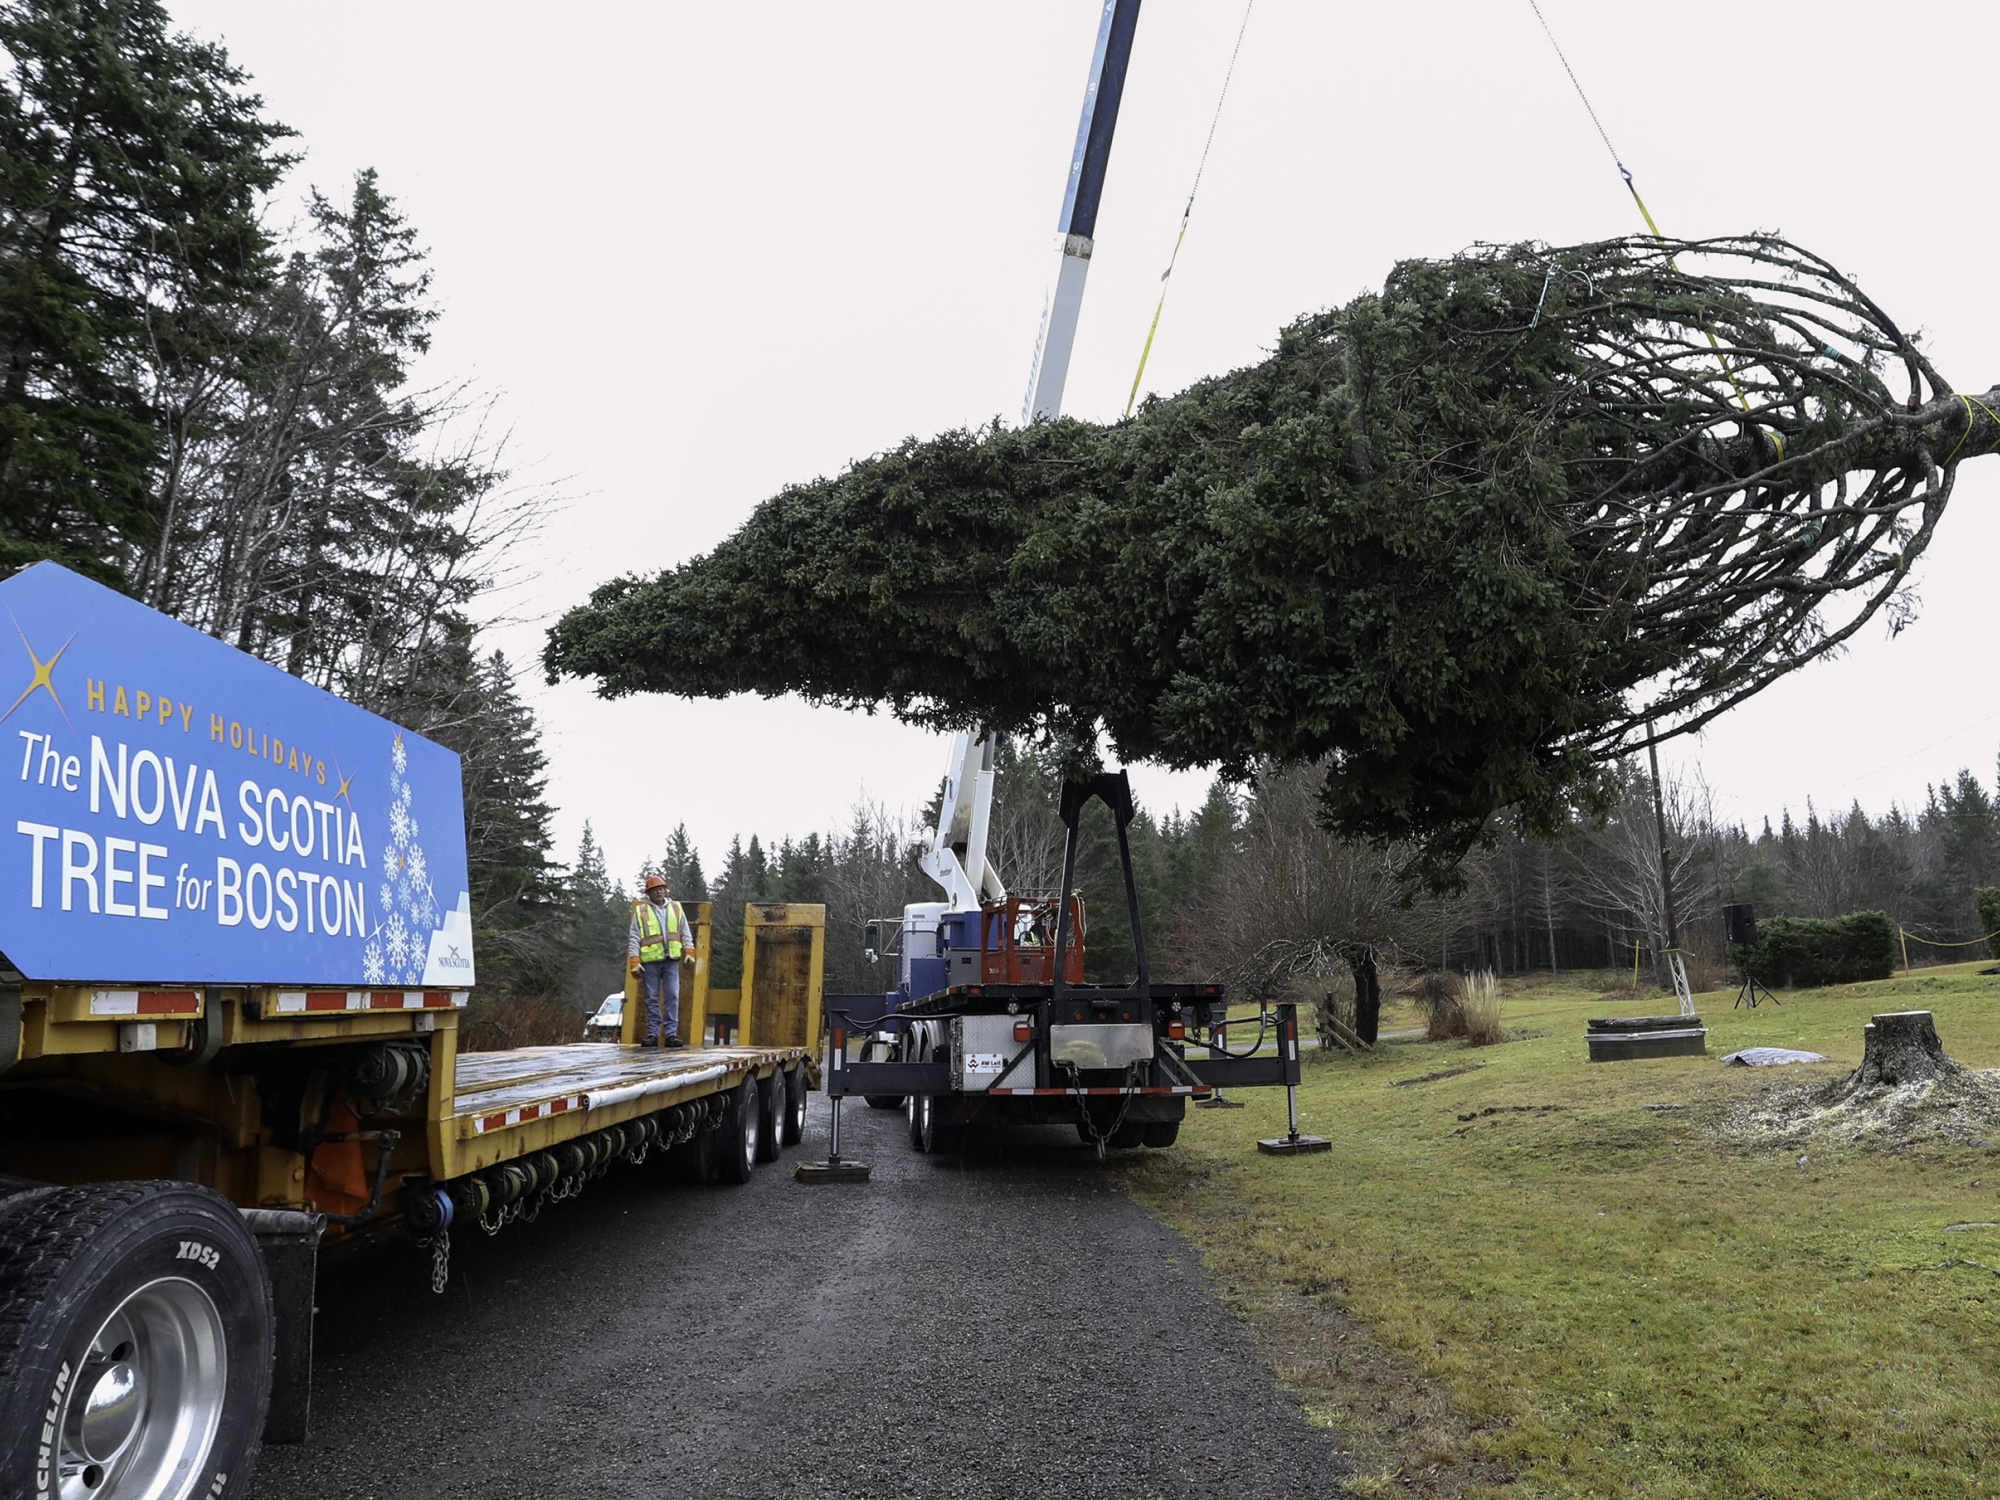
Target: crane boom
{"points": [[1076, 229], [956, 859]]}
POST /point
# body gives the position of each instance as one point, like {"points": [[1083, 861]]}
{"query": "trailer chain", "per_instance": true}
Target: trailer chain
{"points": [[440, 1261], [1102, 1139]]}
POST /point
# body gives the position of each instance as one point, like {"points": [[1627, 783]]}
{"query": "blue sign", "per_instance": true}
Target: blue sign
{"points": [[180, 812]]}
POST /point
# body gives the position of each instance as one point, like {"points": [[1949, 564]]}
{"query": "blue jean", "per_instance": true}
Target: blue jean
{"points": [[653, 979]]}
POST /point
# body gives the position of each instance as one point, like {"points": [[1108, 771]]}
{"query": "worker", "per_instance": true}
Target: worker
{"points": [[653, 952]]}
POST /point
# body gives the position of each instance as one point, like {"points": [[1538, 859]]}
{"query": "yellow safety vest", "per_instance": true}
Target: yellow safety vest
{"points": [[655, 945]]}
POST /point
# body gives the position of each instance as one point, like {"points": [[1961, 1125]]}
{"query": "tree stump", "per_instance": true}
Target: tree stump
{"points": [[1900, 1049]]}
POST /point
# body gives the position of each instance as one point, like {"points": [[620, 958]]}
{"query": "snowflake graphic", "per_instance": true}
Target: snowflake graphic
{"points": [[371, 964], [409, 907]]}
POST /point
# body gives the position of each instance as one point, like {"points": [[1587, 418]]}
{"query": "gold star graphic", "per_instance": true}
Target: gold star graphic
{"points": [[42, 677]]}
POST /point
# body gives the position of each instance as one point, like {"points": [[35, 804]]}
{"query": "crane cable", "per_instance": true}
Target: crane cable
{"points": [[1216, 119], [1644, 212]]}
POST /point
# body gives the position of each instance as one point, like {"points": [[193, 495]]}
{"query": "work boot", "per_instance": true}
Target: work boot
{"points": [[672, 1042], [651, 1041]]}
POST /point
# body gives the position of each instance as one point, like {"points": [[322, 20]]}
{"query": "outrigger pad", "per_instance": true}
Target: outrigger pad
{"points": [[830, 1171], [1295, 1145]]}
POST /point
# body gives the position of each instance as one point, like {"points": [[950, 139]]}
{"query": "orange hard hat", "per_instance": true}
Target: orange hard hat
{"points": [[654, 882]]}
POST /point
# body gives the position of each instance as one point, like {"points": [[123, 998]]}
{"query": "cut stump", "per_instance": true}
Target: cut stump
{"points": [[1899, 1049]]}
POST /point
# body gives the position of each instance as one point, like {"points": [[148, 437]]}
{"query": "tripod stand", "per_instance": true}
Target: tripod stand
{"points": [[1752, 988]]}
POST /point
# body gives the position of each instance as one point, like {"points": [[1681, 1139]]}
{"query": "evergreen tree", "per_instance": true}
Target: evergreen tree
{"points": [[522, 919], [131, 160], [602, 914], [681, 867], [732, 887]]}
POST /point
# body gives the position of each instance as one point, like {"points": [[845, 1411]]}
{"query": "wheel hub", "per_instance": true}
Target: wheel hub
{"points": [[144, 1410], [112, 1409]]}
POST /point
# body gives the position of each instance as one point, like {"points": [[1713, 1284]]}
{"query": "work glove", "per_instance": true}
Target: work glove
{"points": [[632, 964]]}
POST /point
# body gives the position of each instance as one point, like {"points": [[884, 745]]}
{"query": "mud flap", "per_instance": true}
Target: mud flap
{"points": [[290, 1242]]}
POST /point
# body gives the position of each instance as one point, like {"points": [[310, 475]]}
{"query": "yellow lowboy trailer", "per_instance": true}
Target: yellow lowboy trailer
{"points": [[262, 1125], [178, 1144]]}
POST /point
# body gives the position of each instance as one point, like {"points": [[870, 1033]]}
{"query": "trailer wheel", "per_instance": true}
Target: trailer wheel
{"points": [[732, 1146], [770, 1115], [1161, 1134], [795, 1106], [135, 1341]]}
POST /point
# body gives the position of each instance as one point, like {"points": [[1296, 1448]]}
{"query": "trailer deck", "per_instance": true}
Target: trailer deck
{"points": [[498, 1090]]}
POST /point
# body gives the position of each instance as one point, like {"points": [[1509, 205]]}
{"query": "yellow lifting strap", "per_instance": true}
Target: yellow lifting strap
{"points": [[1147, 353], [1645, 213]]}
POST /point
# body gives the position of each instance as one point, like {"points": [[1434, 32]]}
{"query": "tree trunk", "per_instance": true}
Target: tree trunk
{"points": [[1367, 994], [1899, 1049]]}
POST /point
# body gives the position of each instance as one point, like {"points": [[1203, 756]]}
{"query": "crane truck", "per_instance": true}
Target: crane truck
{"points": [[238, 948], [990, 1020]]}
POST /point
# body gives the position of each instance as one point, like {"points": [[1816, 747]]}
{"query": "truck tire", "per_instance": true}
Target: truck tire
{"points": [[1161, 1134], [930, 1132], [135, 1344], [732, 1146], [884, 1101], [770, 1115], [795, 1106]]}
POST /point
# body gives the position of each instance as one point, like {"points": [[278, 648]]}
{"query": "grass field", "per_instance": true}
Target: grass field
{"points": [[1521, 1280]]}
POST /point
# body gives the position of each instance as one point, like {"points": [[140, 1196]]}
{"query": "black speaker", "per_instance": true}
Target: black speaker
{"points": [[1739, 922]]}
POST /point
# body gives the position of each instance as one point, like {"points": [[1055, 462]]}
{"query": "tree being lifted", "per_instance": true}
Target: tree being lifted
{"points": [[1467, 539]]}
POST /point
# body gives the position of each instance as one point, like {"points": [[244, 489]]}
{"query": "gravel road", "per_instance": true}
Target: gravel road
{"points": [[1007, 1324]]}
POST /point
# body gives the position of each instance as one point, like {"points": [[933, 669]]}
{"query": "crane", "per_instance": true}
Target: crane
{"points": [[991, 1018]]}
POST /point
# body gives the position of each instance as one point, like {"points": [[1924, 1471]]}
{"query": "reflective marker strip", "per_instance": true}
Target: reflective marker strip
{"points": [[145, 1002], [527, 1112], [301, 1002]]}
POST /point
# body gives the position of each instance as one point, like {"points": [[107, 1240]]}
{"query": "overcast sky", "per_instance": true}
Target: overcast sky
{"points": [[701, 251]]}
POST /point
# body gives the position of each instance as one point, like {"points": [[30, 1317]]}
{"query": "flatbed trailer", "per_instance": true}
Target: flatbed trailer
{"points": [[179, 1142], [264, 1126]]}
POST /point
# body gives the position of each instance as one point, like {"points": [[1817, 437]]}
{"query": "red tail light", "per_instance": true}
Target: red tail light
{"points": [[1024, 1030], [1176, 1031]]}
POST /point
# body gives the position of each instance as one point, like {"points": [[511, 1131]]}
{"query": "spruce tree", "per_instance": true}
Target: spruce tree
{"points": [[732, 890], [522, 918], [131, 160], [681, 866], [601, 914]]}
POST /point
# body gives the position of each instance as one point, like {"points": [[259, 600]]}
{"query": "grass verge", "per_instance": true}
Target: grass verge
{"points": [[1542, 1276]]}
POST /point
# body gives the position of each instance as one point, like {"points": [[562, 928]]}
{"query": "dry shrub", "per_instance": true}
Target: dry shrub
{"points": [[1706, 969], [498, 1023], [1441, 997], [1481, 1010]]}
